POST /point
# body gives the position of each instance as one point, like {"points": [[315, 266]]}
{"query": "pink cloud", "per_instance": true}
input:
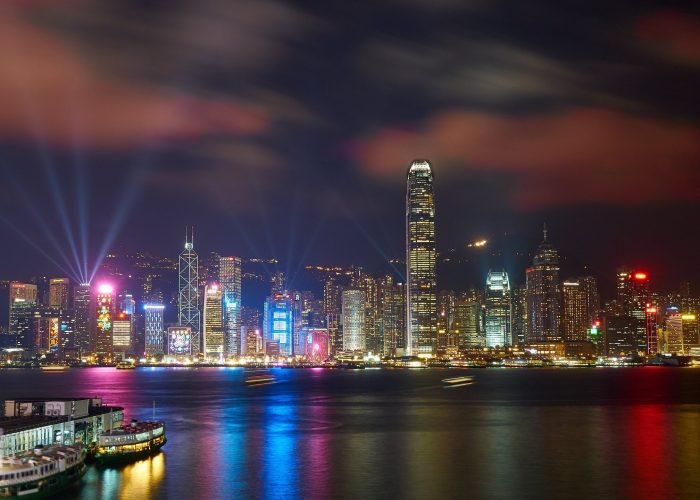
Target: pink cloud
{"points": [[580, 155], [672, 32], [48, 90]]}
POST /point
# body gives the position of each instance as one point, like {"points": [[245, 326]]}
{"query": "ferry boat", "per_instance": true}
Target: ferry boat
{"points": [[125, 365], [260, 379], [458, 381], [135, 441], [42, 472], [54, 368]]}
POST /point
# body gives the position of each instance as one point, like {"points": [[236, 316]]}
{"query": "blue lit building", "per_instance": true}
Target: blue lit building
{"points": [[154, 329], [278, 323]]}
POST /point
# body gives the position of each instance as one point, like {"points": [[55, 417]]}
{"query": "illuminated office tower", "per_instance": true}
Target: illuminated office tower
{"points": [[368, 285], [251, 332], [519, 319], [332, 308], [230, 283], [23, 298], [392, 315], [576, 316], [104, 309], [421, 298], [188, 296], [121, 335], [589, 287], [636, 301], [445, 318], [58, 293], [82, 298], [213, 332], [467, 324], [623, 284], [681, 333], [66, 338], [179, 341], [354, 321], [498, 310], [278, 325], [620, 335], [544, 295], [46, 329], [154, 329]]}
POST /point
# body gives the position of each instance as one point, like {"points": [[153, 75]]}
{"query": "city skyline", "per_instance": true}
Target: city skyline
{"points": [[359, 314]]}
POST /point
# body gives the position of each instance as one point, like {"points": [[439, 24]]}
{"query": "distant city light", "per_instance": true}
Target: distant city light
{"points": [[104, 288], [640, 276]]}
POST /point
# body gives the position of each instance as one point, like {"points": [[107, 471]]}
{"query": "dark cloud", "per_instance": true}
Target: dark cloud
{"points": [[582, 155]]}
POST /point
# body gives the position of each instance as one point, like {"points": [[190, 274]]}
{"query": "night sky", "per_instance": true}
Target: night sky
{"points": [[285, 130]]}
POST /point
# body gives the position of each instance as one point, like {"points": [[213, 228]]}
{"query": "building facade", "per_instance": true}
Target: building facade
{"points": [[421, 292], [213, 333], [154, 328], [353, 321], [230, 282], [498, 310], [544, 301]]}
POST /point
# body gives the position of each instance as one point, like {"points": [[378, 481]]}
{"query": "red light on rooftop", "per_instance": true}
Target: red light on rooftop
{"points": [[640, 276]]}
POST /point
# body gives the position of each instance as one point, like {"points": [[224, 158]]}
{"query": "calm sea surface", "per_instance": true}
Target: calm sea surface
{"points": [[516, 433]]}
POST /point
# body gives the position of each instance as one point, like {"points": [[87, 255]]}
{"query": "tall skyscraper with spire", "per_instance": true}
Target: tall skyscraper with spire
{"points": [[188, 296], [543, 295], [421, 296]]}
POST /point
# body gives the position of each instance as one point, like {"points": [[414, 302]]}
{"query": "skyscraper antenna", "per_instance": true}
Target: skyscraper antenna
{"points": [[544, 231]]}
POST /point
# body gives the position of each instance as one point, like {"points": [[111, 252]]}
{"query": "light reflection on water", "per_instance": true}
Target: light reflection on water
{"points": [[398, 434]]}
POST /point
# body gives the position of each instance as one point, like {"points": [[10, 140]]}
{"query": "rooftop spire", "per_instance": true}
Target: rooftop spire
{"points": [[544, 231]]}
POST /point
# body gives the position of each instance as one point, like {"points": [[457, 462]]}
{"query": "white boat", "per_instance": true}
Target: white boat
{"points": [[42, 472]]}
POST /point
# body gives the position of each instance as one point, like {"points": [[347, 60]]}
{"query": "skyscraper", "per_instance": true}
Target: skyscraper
{"points": [[368, 285], [446, 338], [421, 297], [213, 323], [544, 295], [354, 320], [498, 310], [81, 304], [392, 315], [105, 316], [681, 333], [332, 309], [467, 325], [188, 297], [251, 333], [637, 299], [58, 293], [576, 318], [230, 283], [519, 319], [154, 329], [23, 298], [278, 324], [121, 335]]}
